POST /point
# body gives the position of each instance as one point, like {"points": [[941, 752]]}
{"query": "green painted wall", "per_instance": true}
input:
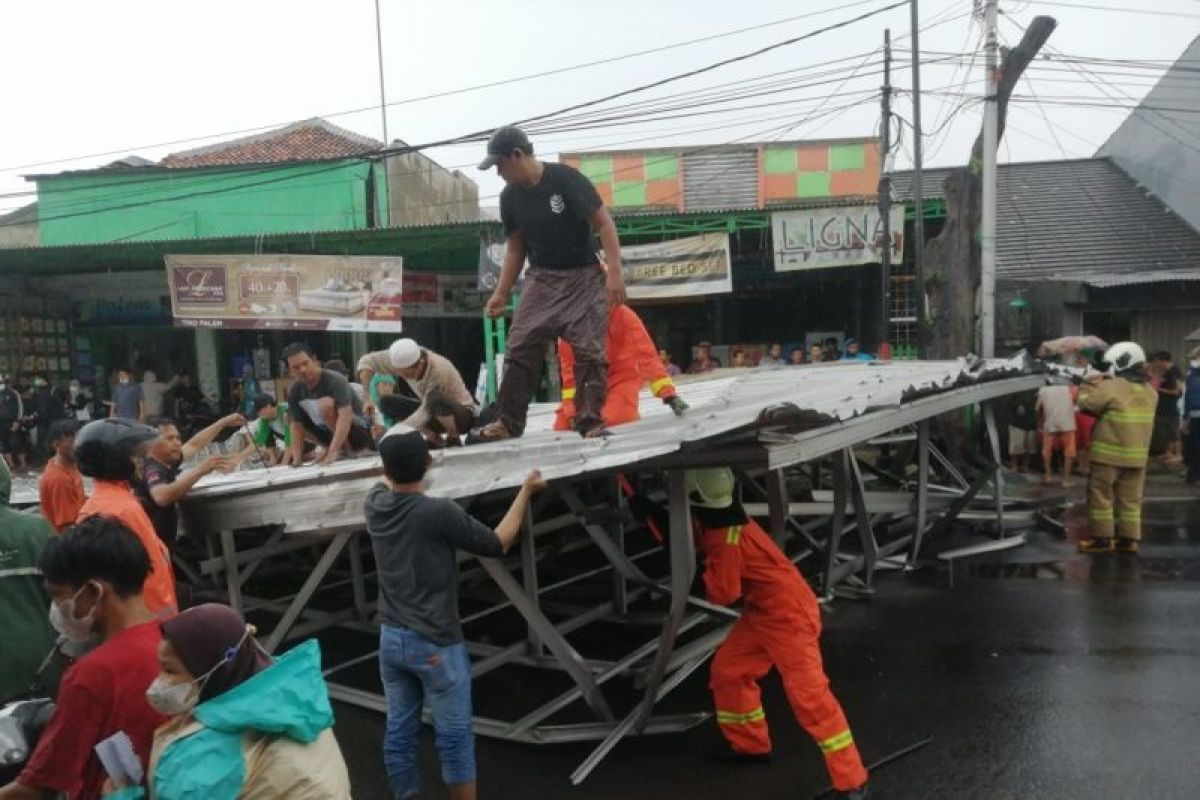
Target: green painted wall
{"points": [[179, 204]]}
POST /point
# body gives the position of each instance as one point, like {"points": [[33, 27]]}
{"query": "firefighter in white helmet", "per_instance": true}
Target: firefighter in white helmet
{"points": [[1124, 403]]}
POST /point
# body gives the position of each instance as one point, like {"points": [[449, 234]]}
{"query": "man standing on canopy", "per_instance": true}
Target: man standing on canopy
{"points": [[551, 213]]}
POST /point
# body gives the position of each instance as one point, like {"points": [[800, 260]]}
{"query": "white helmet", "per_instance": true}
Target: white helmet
{"points": [[404, 353], [1124, 355]]}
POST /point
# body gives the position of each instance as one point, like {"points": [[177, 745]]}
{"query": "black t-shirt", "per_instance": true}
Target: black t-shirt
{"points": [[330, 384], [164, 518], [1168, 403], [554, 217]]}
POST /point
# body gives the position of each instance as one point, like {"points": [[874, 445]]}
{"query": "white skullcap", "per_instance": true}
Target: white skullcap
{"points": [[404, 353]]}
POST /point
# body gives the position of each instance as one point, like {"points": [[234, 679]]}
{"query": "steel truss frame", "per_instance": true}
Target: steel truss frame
{"points": [[691, 628]]}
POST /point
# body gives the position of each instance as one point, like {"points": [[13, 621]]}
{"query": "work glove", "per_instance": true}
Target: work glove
{"points": [[677, 404]]}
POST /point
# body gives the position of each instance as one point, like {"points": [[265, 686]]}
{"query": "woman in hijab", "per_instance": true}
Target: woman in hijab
{"points": [[242, 726]]}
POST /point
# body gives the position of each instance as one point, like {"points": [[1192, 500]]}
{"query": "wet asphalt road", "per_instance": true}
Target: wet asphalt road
{"points": [[1041, 674]]}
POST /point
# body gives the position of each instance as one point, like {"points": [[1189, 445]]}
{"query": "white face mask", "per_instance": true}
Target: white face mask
{"points": [[63, 619], [1195, 362], [172, 699], [124, 380]]}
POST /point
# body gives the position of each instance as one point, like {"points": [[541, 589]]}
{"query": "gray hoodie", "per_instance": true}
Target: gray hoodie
{"points": [[415, 538]]}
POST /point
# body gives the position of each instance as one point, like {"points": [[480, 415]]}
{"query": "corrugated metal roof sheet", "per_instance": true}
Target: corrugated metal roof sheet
{"points": [[1074, 219], [732, 401], [1110, 280]]}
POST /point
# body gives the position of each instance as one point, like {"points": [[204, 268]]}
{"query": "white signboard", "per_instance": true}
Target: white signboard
{"points": [[834, 237]]}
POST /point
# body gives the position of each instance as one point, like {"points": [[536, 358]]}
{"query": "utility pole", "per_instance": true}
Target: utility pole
{"points": [[987, 222], [918, 200], [382, 92], [885, 198]]}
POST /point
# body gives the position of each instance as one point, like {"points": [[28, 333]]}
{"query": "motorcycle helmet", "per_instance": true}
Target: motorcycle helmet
{"points": [[105, 448]]}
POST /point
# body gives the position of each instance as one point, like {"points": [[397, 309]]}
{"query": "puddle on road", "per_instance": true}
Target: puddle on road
{"points": [[1092, 568]]}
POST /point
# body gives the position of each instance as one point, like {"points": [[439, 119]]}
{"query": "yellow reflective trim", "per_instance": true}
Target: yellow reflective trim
{"points": [[659, 384], [1121, 450], [733, 536], [741, 718], [1130, 516], [568, 393], [1103, 514], [834, 743], [1130, 416]]}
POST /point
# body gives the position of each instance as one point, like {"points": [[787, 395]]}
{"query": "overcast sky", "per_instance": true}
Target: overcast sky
{"points": [[84, 78]]}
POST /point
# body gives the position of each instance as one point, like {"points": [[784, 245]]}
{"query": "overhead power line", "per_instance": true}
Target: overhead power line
{"points": [[1120, 10], [457, 91]]}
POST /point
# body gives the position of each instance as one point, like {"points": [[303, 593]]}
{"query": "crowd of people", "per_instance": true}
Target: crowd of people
{"points": [[187, 691], [771, 356], [1051, 426], [31, 405]]}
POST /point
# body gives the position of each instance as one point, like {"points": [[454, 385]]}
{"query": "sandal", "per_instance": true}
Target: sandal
{"points": [[492, 432]]}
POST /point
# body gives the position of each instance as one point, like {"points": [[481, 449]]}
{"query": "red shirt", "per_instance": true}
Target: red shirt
{"points": [[103, 693], [61, 494], [116, 499]]}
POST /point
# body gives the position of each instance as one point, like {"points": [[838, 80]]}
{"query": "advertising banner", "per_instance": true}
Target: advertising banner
{"points": [[691, 267], [834, 237], [697, 265], [456, 295], [334, 293]]}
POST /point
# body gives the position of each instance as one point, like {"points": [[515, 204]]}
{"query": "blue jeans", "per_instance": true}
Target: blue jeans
{"points": [[417, 671]]}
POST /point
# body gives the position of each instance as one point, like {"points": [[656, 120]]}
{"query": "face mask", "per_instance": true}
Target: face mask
{"points": [[124, 380], [172, 699], [3, 386], [63, 619], [1195, 362]]}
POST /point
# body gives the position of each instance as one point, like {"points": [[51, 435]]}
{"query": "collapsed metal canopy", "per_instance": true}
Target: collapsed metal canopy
{"points": [[759, 420]]}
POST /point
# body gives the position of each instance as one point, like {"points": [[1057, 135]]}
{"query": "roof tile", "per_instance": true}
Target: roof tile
{"points": [[309, 140]]}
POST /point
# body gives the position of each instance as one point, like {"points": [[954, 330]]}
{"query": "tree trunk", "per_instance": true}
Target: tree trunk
{"points": [[952, 259]]}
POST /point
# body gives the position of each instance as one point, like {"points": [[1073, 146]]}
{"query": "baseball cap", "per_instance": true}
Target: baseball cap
{"points": [[404, 353], [404, 452], [503, 141]]}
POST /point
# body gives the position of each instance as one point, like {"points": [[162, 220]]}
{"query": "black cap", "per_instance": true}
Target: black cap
{"points": [[404, 452], [503, 141], [264, 401]]}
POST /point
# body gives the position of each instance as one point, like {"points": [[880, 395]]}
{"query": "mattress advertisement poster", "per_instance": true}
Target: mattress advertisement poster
{"points": [[697, 265], [280, 291], [834, 237]]}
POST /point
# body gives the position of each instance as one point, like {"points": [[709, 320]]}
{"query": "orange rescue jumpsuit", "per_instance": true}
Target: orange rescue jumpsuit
{"points": [[632, 361], [780, 626]]}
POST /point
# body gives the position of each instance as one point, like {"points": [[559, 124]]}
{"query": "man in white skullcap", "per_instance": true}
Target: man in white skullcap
{"points": [[443, 409]]}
